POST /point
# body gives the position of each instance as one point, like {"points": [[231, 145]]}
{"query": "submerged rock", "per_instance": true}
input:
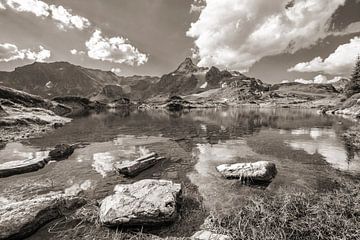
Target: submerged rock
{"points": [[147, 203], [132, 168], [258, 171], [8, 169], [207, 235], [20, 219], [61, 152]]}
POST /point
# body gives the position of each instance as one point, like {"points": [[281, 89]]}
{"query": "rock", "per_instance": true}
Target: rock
{"points": [[147, 202], [20, 219], [119, 103], [79, 105], [8, 169], [132, 168], [258, 171], [207, 235], [61, 152], [58, 125], [176, 103], [2, 112]]}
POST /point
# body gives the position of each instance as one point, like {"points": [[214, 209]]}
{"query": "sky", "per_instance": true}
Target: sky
{"points": [[275, 41]]}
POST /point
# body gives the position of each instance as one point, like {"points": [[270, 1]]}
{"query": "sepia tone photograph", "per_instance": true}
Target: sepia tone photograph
{"points": [[180, 119]]}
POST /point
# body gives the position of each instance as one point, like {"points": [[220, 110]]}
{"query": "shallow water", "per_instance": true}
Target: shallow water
{"points": [[306, 147]]}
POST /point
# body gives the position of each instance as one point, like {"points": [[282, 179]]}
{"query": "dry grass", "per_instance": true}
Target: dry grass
{"points": [[288, 215], [334, 215]]}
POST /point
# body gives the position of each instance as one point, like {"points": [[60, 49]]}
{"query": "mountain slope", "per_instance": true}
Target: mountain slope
{"points": [[57, 79]]}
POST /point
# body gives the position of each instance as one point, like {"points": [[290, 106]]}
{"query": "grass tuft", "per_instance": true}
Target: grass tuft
{"points": [[293, 215]]}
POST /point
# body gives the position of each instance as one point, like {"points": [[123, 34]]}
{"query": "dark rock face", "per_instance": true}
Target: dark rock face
{"points": [[176, 103], [9, 96], [19, 220], [79, 105], [187, 67], [214, 76], [26, 115], [109, 94], [61, 152], [24, 99]]}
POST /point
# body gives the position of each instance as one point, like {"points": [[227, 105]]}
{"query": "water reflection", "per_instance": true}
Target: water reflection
{"points": [[220, 193], [19, 152], [326, 143], [300, 142]]}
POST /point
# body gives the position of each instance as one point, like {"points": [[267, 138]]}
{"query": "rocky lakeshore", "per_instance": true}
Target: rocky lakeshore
{"points": [[166, 176]]}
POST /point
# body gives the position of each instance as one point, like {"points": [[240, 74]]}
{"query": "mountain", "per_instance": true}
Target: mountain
{"points": [[57, 79]]}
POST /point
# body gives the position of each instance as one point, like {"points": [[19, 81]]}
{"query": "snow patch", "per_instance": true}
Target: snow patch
{"points": [[204, 85]]}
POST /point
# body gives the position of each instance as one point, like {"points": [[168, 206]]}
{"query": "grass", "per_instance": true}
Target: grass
{"points": [[330, 215], [334, 215]]}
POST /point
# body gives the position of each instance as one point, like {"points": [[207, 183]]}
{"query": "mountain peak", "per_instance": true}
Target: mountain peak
{"points": [[187, 66]]}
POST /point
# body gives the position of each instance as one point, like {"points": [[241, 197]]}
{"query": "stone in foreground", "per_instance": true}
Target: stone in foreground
{"points": [[144, 203], [259, 171], [207, 235], [132, 168], [20, 219], [8, 169], [61, 152]]}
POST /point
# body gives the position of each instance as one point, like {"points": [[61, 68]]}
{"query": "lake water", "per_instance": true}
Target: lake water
{"points": [[306, 147]]}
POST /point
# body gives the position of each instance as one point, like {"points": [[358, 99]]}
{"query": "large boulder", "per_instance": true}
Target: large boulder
{"points": [[132, 168], [20, 219], [147, 203], [259, 171], [61, 152]]}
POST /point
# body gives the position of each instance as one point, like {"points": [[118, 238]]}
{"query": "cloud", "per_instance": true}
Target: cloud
{"points": [[197, 6], [65, 19], [319, 79], [237, 33], [339, 62], [117, 71], [115, 49], [62, 17], [10, 52], [39, 8], [76, 52]]}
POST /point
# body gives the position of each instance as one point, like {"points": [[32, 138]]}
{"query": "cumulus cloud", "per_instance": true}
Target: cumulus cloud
{"points": [[114, 49], [39, 8], [339, 62], [319, 79], [10, 52], [62, 17], [117, 71], [237, 33], [65, 19]]}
